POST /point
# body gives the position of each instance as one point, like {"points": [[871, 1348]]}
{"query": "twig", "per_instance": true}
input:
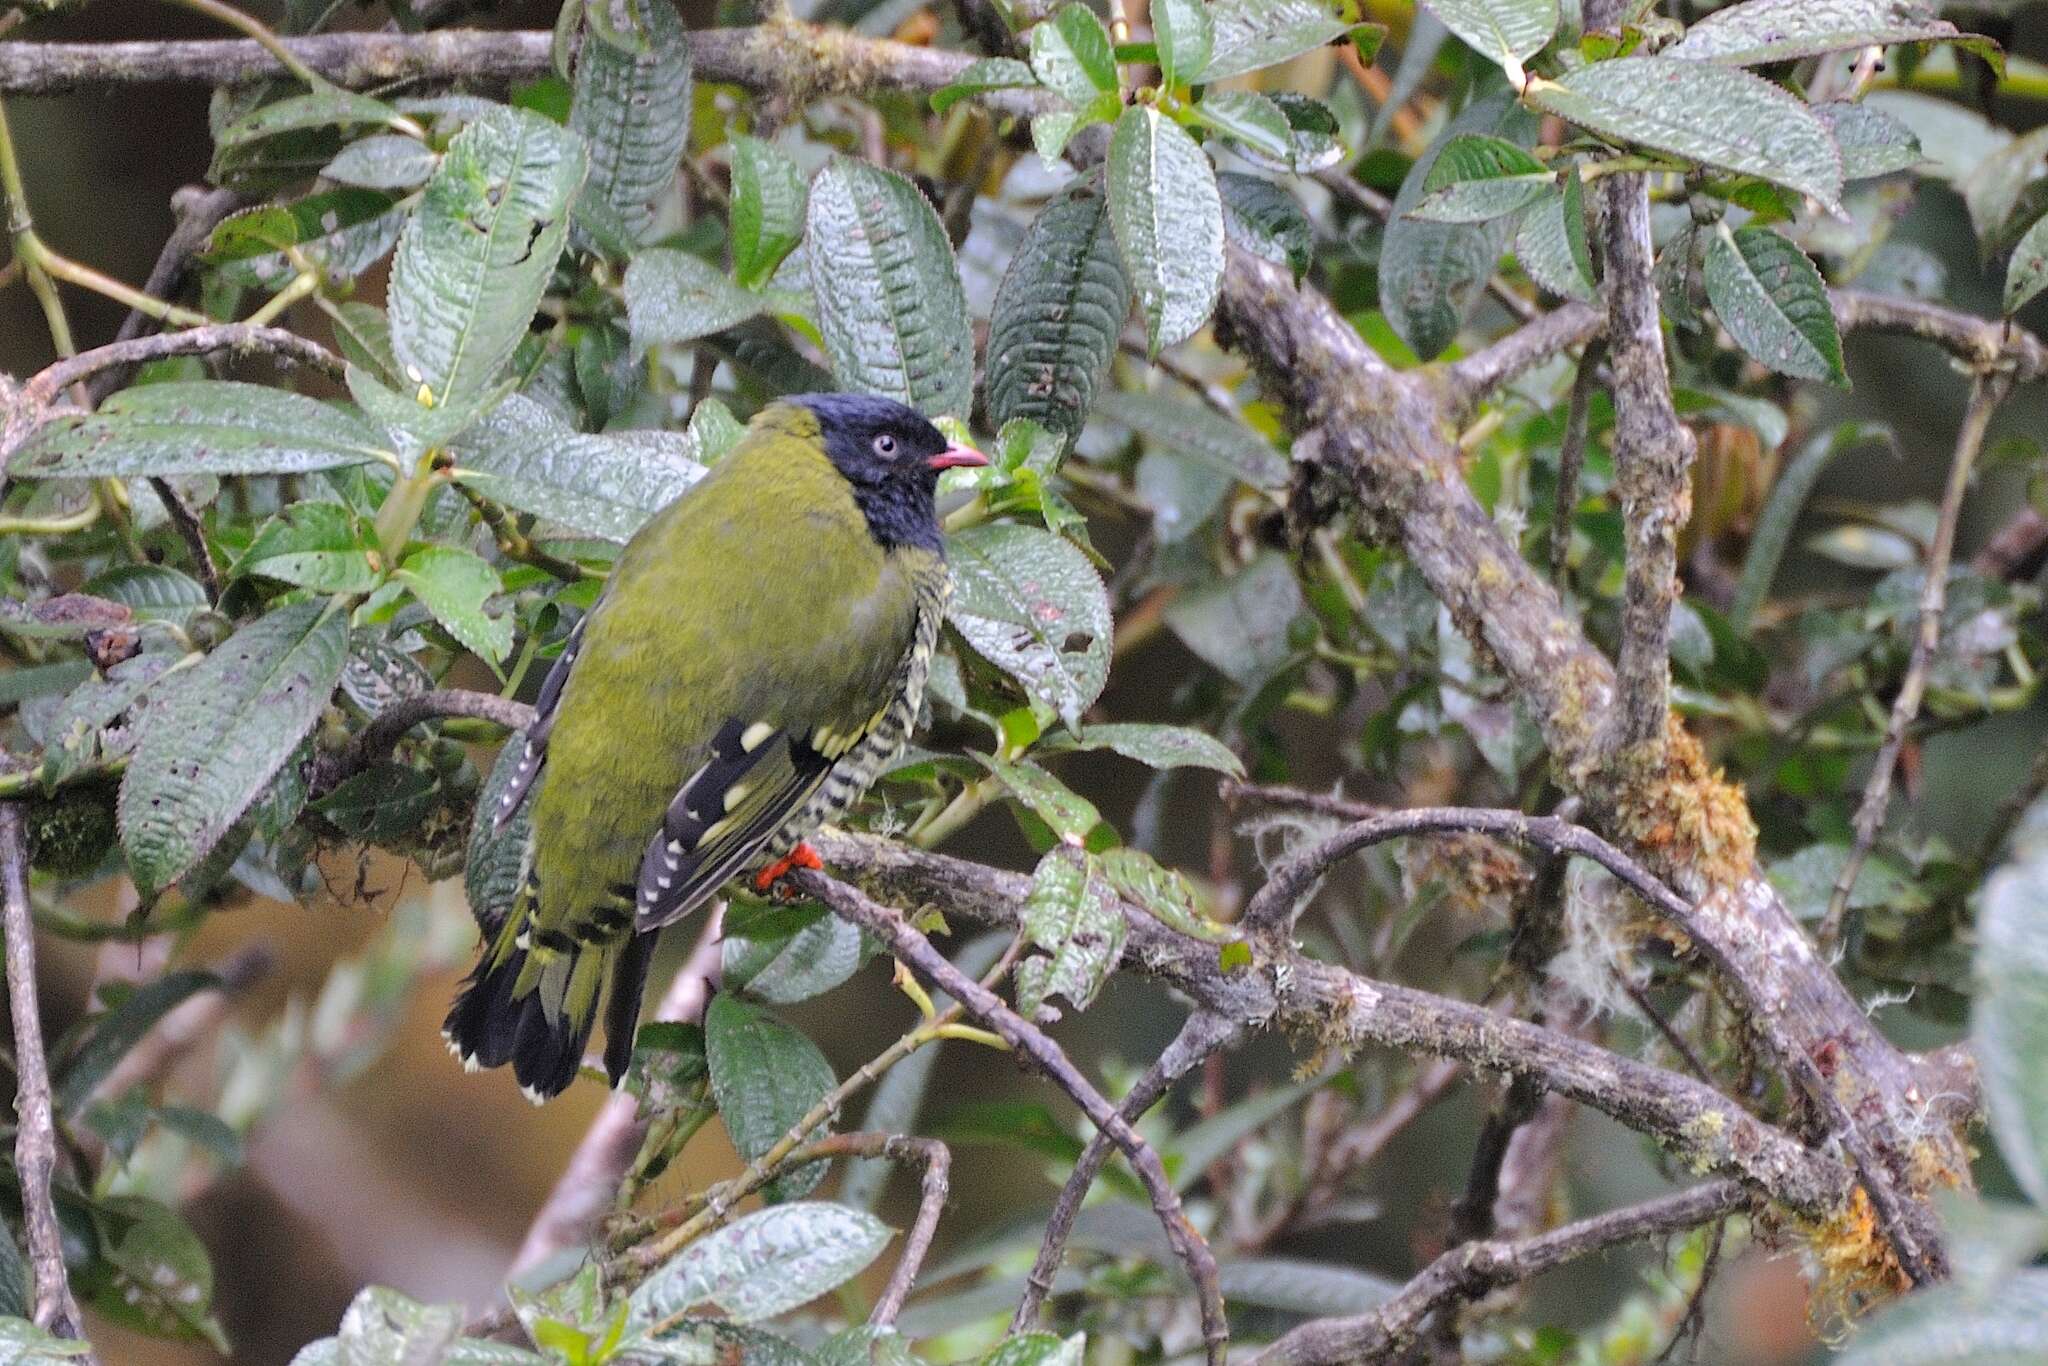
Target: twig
{"points": [[1468, 1272], [1201, 1036], [1032, 1044], [1472, 1212], [1479, 374], [515, 544], [35, 1133], [240, 338], [1981, 343], [1987, 391], [589, 1184], [198, 211], [2017, 550], [937, 1161], [1571, 460], [375, 740]]}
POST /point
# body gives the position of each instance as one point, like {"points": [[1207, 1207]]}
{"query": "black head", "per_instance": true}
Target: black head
{"points": [[892, 456]]}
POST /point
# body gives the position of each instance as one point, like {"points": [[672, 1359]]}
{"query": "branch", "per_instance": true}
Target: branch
{"points": [[1981, 343], [240, 338], [199, 211], [937, 1161], [1032, 1044], [35, 1133], [1202, 1035], [1468, 1272], [1571, 460], [1987, 391], [375, 741], [1479, 374]]}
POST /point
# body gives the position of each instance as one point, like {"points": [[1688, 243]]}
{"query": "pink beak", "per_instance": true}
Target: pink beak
{"points": [[953, 457]]}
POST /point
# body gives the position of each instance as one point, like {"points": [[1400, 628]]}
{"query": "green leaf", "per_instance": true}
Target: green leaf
{"points": [[1550, 242], [1432, 273], [217, 740], [1164, 894], [767, 215], [890, 304], [152, 1271], [382, 1326], [110, 1035], [632, 110], [1959, 1325], [1072, 919], [1069, 815], [1032, 605], [1710, 114], [1249, 119], [1774, 303], [1168, 219], [1240, 626], [1051, 130], [765, 1263], [1071, 55], [475, 258], [989, 73], [1311, 1289], [1871, 141], [1267, 221], [1185, 37], [198, 427], [1249, 34], [1196, 1149], [2009, 1021], [24, 1344], [383, 802], [673, 296], [526, 458], [1053, 326], [494, 866], [1774, 525], [787, 968], [154, 592], [766, 1077], [2027, 273], [1476, 178], [1039, 1349], [1505, 32], [384, 161], [319, 545], [1194, 429], [1157, 745], [328, 108], [454, 585], [1760, 31], [1312, 143]]}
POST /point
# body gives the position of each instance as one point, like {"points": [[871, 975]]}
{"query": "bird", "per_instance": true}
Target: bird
{"points": [[756, 659]]}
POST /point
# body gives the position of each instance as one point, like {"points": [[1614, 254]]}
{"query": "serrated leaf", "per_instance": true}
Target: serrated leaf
{"points": [[1168, 219], [1714, 115], [454, 585], [763, 1264], [1550, 242], [1760, 31], [476, 255], [109, 1036], [1072, 919], [317, 545], [327, 108], [2027, 273], [766, 1076], [494, 866], [890, 304], [216, 741], [1774, 303], [1193, 429], [1165, 894], [383, 161], [1505, 32], [767, 215], [1160, 746], [1249, 119], [632, 110], [1066, 812], [199, 427], [1053, 325], [1958, 1325], [1476, 178], [1432, 273], [1267, 221], [673, 296], [1072, 57], [526, 458], [788, 968], [1250, 34], [1872, 142], [1032, 605], [1185, 37], [154, 592], [989, 73], [2009, 1019], [342, 232]]}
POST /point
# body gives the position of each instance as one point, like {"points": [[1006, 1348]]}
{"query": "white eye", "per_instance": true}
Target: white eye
{"points": [[885, 446]]}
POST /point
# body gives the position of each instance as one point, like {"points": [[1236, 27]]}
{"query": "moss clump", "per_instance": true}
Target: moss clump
{"points": [[69, 833], [1684, 815]]}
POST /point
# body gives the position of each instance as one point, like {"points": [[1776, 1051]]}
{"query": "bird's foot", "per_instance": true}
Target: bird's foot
{"points": [[770, 879]]}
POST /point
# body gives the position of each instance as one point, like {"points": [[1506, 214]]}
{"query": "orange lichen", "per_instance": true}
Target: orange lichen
{"points": [[1853, 1266]]}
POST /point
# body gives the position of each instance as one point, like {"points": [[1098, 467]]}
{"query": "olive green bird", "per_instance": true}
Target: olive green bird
{"points": [[756, 659]]}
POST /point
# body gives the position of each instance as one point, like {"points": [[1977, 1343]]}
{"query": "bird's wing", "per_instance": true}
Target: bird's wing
{"points": [[535, 754]]}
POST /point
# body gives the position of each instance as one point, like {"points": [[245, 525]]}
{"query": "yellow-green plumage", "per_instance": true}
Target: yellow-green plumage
{"points": [[758, 654]]}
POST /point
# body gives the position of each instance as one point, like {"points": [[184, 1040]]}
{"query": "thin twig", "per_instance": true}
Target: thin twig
{"points": [[35, 1133], [1032, 1044], [240, 338], [1468, 1272], [1479, 374], [375, 740], [1571, 460], [199, 211], [931, 1203], [1987, 391], [1202, 1035]]}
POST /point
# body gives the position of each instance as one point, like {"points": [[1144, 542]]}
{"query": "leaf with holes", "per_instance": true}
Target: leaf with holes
{"points": [[1053, 326], [1774, 303], [766, 1076], [890, 304], [763, 1264], [767, 216], [214, 743], [1032, 605], [198, 427], [632, 110], [1168, 220], [526, 458], [1072, 920]]}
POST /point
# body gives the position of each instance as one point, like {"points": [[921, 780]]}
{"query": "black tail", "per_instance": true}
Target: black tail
{"points": [[622, 1009], [490, 1026]]}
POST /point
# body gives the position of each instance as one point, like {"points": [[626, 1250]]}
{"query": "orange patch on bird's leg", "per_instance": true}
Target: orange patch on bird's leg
{"points": [[803, 856]]}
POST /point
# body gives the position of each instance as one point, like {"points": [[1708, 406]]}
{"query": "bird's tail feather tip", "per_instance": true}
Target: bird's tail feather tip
{"points": [[489, 1026]]}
